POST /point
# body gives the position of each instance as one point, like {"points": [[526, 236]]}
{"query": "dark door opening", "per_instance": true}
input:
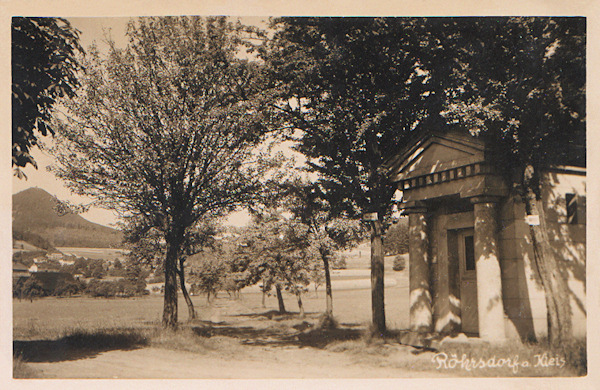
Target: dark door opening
{"points": [[468, 282]]}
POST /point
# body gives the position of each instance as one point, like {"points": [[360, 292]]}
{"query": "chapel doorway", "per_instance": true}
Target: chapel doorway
{"points": [[468, 282]]}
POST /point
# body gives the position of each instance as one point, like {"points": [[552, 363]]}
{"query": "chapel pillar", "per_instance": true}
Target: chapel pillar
{"points": [[420, 296], [487, 264]]}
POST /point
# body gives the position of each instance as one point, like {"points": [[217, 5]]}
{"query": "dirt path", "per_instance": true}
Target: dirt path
{"points": [[289, 362]]}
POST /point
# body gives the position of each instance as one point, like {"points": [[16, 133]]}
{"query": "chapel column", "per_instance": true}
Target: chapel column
{"points": [[487, 264], [420, 296]]}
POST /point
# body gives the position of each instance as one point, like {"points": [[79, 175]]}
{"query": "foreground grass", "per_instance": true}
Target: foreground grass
{"points": [[53, 330], [270, 332]]}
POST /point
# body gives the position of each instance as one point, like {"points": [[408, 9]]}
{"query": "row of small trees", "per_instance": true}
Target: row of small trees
{"points": [[124, 287], [278, 252], [33, 287], [89, 268], [30, 288]]}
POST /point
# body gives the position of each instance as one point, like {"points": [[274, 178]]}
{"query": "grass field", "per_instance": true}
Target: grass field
{"points": [[50, 317], [95, 253]]}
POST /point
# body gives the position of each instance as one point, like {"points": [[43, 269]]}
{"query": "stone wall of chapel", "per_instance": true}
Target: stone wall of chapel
{"points": [[525, 306]]}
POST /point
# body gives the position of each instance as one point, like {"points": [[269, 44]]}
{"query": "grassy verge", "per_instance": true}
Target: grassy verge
{"points": [[59, 330], [477, 359], [190, 339]]}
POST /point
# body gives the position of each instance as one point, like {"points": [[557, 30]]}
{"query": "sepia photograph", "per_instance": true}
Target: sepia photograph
{"points": [[211, 196]]}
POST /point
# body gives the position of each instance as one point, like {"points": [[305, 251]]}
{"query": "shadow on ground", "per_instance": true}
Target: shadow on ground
{"points": [[287, 332], [77, 346], [274, 315], [269, 329]]}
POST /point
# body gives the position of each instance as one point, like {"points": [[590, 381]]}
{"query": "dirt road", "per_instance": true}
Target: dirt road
{"points": [[289, 362]]}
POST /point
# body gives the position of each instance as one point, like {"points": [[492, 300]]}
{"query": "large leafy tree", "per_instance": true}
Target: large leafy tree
{"points": [[524, 90], [164, 130], [44, 69], [356, 90]]}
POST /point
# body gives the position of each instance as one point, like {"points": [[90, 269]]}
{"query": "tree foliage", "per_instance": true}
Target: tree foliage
{"points": [[523, 89], [66, 287], [163, 130], [396, 238], [117, 288], [44, 69], [207, 275], [278, 252], [33, 288], [356, 90]]}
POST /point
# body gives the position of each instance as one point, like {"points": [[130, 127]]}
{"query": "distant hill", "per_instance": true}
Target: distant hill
{"points": [[34, 215]]}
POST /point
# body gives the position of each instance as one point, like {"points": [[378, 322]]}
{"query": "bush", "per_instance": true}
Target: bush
{"points": [[399, 263], [68, 288], [117, 272], [339, 262], [395, 240], [18, 287], [119, 288], [95, 288], [33, 288]]}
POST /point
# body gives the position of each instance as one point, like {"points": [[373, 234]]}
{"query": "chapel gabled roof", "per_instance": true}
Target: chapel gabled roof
{"points": [[435, 152]]}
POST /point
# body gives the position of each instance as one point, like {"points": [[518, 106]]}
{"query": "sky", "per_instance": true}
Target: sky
{"points": [[95, 30]]}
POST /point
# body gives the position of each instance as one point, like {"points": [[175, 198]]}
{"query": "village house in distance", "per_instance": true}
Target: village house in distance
{"points": [[470, 243]]}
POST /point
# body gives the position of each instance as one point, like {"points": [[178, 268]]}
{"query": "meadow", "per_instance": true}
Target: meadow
{"points": [[95, 253], [51, 317]]}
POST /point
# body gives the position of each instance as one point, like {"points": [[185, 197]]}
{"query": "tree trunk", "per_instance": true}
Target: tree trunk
{"points": [[170, 297], [186, 296], [300, 305], [552, 277], [280, 299], [328, 294], [377, 299]]}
